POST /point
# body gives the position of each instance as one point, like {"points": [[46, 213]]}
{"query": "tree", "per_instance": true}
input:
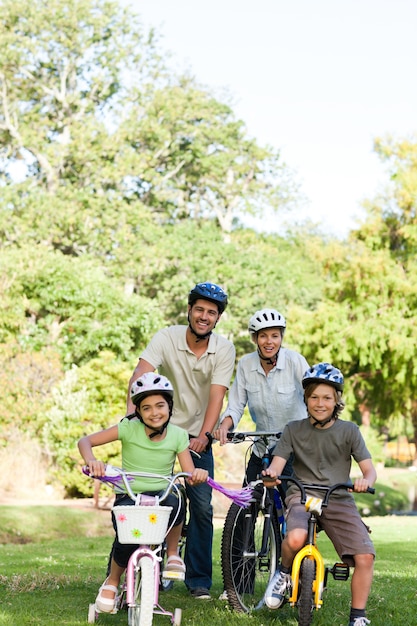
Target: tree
{"points": [[366, 323], [195, 160], [98, 143], [70, 305], [88, 399]]}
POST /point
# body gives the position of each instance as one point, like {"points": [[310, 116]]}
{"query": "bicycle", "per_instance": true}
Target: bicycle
{"points": [[251, 544], [251, 539], [146, 524], [309, 573]]}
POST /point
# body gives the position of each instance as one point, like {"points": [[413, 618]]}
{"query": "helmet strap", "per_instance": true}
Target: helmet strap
{"points": [[197, 336], [157, 431], [321, 424], [268, 359]]}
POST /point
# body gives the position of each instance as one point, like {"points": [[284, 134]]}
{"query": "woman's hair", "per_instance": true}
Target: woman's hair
{"points": [[340, 404]]}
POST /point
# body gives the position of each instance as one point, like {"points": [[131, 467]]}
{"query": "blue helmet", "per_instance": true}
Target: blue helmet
{"points": [[211, 292], [324, 373]]}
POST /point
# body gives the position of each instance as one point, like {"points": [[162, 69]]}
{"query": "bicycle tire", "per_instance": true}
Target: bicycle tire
{"points": [[245, 578], [142, 613], [305, 596]]}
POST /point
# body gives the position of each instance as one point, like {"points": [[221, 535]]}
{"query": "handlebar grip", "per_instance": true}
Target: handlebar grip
{"points": [[268, 479], [370, 490], [210, 441]]}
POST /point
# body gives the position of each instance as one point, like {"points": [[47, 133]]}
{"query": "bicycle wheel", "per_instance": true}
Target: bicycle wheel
{"points": [[142, 613], [305, 595], [248, 558]]}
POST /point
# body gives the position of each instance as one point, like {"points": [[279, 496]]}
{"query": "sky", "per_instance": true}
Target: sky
{"points": [[317, 79]]}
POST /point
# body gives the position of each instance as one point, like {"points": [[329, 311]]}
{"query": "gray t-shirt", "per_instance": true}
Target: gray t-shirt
{"points": [[322, 456]]}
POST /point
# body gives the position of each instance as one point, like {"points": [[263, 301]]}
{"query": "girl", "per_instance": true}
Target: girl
{"points": [[149, 444]]}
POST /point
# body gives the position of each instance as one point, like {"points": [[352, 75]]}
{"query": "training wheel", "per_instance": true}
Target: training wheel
{"points": [[177, 617], [91, 613]]}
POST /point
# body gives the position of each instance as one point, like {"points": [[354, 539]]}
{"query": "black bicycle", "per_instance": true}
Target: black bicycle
{"points": [[252, 537]]}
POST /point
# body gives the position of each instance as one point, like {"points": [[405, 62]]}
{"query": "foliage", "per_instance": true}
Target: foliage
{"points": [[123, 184], [26, 380], [70, 305], [89, 398]]}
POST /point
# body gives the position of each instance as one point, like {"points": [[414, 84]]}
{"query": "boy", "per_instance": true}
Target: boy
{"points": [[323, 446]]}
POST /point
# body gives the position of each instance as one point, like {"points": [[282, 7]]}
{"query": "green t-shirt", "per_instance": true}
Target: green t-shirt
{"points": [[141, 454]]}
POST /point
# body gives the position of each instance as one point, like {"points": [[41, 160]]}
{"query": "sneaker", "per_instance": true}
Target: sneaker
{"points": [[360, 621], [200, 593], [275, 593]]}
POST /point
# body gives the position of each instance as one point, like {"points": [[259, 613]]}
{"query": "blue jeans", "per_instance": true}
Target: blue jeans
{"points": [[199, 544]]}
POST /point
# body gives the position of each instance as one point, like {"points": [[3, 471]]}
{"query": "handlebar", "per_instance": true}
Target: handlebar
{"points": [[238, 437], [116, 476], [326, 489]]}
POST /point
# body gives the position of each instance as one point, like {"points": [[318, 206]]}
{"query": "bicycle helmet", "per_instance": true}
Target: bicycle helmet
{"points": [[324, 373], [266, 318], [211, 292], [149, 384]]}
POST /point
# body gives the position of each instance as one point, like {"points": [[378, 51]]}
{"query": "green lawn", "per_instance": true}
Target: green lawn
{"points": [[53, 581]]}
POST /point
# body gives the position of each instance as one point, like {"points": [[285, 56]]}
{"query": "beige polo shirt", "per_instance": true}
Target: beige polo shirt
{"points": [[190, 376]]}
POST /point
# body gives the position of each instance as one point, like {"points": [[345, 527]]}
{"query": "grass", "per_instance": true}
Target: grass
{"points": [[52, 581]]}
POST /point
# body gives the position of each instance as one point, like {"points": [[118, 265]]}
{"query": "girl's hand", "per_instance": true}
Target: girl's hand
{"points": [[96, 468], [198, 476]]}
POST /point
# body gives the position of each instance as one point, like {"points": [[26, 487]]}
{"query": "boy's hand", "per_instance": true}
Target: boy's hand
{"points": [[360, 485], [270, 476]]}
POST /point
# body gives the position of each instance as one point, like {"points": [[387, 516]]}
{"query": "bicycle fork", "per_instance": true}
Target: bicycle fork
{"points": [[141, 553], [309, 551]]}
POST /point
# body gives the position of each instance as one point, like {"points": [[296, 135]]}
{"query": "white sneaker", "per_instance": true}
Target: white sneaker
{"points": [[360, 621], [276, 590]]}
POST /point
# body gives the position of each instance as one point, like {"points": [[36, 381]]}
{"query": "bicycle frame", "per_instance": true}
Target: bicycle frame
{"points": [[309, 551]]}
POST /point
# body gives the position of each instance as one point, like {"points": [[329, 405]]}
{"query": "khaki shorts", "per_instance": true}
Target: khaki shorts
{"points": [[341, 522]]}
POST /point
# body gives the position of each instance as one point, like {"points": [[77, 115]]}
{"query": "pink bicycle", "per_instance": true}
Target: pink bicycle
{"points": [[146, 523]]}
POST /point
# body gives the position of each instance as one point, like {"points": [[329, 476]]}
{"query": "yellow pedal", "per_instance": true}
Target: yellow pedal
{"points": [[173, 576]]}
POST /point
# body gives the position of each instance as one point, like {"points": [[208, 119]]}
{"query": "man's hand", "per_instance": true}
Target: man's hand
{"points": [[198, 444]]}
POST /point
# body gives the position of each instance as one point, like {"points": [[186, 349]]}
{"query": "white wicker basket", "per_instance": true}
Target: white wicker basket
{"points": [[142, 524]]}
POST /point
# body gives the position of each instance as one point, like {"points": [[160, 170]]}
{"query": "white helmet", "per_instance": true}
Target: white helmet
{"points": [[148, 384], [266, 318]]}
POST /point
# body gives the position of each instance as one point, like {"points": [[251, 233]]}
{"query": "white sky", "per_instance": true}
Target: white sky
{"points": [[317, 79]]}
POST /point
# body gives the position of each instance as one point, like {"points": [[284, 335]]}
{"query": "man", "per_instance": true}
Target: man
{"points": [[199, 363]]}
